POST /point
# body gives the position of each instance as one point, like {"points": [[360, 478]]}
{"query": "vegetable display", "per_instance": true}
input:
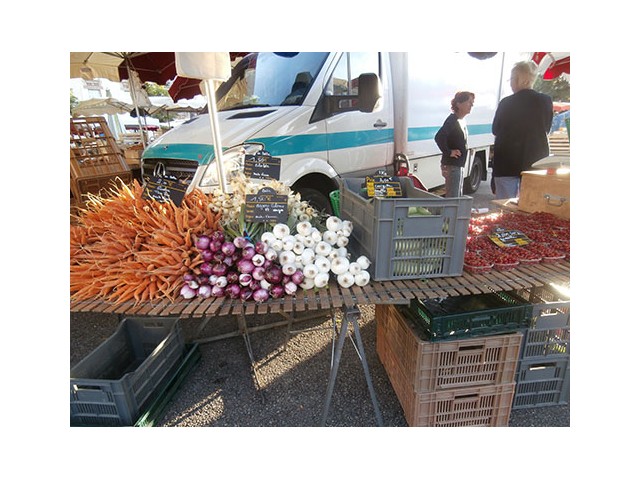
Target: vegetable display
{"points": [[124, 247], [548, 235], [128, 248]]}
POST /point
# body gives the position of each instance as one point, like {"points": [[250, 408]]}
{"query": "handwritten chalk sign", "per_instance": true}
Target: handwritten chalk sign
{"points": [[384, 186], [262, 166], [266, 206], [164, 187], [508, 238]]}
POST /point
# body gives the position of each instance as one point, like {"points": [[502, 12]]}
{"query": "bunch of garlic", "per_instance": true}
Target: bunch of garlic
{"points": [[318, 253]]}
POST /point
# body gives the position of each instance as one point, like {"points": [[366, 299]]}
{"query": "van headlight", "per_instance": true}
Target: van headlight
{"points": [[233, 162]]}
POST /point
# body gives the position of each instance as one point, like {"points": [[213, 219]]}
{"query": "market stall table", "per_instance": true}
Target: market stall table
{"points": [[336, 298]]}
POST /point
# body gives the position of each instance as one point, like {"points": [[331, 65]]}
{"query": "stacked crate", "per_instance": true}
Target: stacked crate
{"points": [[542, 378], [95, 158], [452, 381]]}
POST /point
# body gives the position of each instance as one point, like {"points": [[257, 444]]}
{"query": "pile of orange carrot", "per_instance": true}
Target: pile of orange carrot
{"points": [[124, 247]]}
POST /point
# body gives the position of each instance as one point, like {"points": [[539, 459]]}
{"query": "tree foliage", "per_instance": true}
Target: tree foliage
{"points": [[558, 89]]}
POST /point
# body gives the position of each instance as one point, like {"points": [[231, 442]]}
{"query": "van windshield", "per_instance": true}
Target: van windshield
{"points": [[270, 79]]}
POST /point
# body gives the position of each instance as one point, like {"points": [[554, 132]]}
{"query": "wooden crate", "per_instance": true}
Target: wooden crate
{"points": [[93, 150], [545, 191]]}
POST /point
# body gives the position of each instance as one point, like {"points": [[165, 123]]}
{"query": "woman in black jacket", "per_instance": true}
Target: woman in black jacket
{"points": [[452, 142]]}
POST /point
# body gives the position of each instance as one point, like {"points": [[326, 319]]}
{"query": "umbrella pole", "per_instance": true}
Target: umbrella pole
{"points": [[215, 132], [135, 105]]}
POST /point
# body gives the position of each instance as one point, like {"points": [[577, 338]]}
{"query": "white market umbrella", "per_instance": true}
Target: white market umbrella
{"points": [[209, 67], [100, 106]]}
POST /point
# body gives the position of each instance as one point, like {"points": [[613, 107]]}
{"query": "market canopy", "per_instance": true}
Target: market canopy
{"points": [[552, 64], [100, 106]]}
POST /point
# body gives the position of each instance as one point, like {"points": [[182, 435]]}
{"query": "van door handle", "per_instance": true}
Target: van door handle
{"points": [[380, 124]]}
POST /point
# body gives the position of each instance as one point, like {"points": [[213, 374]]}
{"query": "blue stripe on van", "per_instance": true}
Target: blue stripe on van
{"points": [[296, 144]]}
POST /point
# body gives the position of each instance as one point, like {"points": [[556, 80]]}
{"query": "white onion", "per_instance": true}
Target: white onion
{"points": [[342, 241], [271, 254], [290, 288], [304, 228], [364, 262], [310, 270], [307, 283], [316, 236], [298, 247], [330, 236], [340, 265], [323, 248], [321, 279], [308, 242], [342, 252], [288, 269], [345, 279], [308, 256], [323, 264], [362, 278], [333, 223], [268, 237], [276, 245], [355, 268], [286, 256], [281, 230]]}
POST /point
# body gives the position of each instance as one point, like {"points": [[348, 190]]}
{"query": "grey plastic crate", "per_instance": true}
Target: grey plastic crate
{"points": [[549, 332], [402, 241], [111, 385], [542, 383]]}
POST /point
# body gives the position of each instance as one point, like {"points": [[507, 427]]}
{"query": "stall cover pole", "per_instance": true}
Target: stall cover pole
{"points": [[215, 132], [135, 104]]}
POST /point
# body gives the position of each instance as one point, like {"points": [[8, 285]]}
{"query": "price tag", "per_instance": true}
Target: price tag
{"points": [[262, 166], [508, 238], [383, 185], [266, 206], [164, 187]]}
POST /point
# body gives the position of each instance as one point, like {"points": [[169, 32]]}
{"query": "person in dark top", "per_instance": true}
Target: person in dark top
{"points": [[521, 125], [452, 142]]}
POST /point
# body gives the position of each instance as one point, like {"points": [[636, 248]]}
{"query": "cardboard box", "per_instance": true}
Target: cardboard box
{"points": [[545, 191], [133, 156]]}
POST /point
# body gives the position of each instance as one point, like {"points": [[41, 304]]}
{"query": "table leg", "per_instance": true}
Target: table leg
{"points": [[350, 316], [242, 326]]}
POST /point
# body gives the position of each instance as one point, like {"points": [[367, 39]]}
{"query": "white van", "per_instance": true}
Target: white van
{"points": [[339, 114]]}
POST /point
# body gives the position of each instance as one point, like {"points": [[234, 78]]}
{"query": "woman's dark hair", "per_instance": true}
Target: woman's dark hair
{"points": [[460, 97]]}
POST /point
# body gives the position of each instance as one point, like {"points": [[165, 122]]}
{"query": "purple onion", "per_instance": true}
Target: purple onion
{"points": [[277, 291], [218, 236], [232, 276], [258, 273], [219, 269], [188, 277], [207, 269], [204, 291], [187, 292], [217, 291], [297, 277], [266, 285], [193, 284], [245, 266], [246, 293], [290, 288], [228, 248], [260, 295], [261, 248], [258, 260], [222, 282], [213, 279], [248, 252], [244, 279], [240, 242], [228, 261], [267, 264], [254, 284], [203, 241], [207, 255], [232, 290], [215, 245], [218, 257], [273, 274]]}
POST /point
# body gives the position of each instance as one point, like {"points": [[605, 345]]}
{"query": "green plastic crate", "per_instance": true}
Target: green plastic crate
{"points": [[335, 202], [471, 315]]}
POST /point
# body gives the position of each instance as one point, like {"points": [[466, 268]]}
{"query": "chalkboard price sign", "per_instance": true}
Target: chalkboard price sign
{"points": [[508, 238], [266, 206], [165, 188], [262, 166], [382, 185]]}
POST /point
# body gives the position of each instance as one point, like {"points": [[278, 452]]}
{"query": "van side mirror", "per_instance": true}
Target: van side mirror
{"points": [[366, 100], [368, 92]]}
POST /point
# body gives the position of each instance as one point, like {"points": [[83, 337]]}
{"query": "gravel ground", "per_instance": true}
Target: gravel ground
{"points": [[221, 390]]}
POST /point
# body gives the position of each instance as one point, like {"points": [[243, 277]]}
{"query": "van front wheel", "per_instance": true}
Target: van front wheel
{"points": [[316, 199], [472, 182]]}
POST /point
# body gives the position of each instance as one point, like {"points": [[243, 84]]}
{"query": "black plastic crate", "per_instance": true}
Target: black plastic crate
{"points": [[112, 385], [471, 315]]}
